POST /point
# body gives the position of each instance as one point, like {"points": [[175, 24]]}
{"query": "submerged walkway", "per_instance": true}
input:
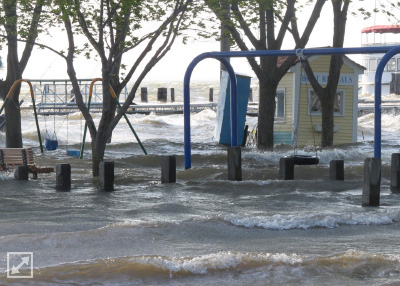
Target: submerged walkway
{"points": [[165, 108]]}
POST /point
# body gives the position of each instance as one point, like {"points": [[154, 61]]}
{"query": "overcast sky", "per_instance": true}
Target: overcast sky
{"points": [[45, 65]]}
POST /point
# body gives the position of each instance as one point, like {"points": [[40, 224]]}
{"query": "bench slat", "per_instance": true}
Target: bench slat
{"points": [[12, 157]]}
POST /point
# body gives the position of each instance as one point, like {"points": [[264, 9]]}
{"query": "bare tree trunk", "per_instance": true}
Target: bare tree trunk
{"points": [[95, 160], [327, 121], [12, 112], [266, 114]]}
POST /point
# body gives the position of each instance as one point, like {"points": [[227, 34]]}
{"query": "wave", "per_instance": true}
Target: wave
{"points": [[5, 177], [161, 266], [328, 220], [158, 268]]}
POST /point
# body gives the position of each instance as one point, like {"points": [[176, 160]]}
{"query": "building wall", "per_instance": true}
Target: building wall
{"points": [[344, 123]]}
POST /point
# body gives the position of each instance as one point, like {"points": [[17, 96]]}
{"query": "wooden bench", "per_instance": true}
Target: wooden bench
{"points": [[12, 157]]}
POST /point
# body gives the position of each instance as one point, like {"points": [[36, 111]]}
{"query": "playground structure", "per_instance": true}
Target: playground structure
{"points": [[389, 51], [372, 166], [114, 96], [53, 144]]}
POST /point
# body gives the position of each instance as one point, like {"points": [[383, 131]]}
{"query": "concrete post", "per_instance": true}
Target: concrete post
{"points": [[21, 173], [143, 94], [234, 163], [211, 95], [372, 182], [63, 177], [172, 94], [251, 95], [162, 94], [336, 170], [106, 176], [168, 169], [395, 173], [286, 168]]}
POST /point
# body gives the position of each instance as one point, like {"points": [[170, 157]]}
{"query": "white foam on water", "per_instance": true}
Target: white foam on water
{"points": [[217, 261], [307, 221], [5, 177]]}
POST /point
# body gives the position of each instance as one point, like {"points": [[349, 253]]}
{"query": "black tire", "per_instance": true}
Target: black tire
{"points": [[304, 159]]}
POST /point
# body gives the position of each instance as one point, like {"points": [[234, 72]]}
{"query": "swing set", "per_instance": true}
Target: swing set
{"points": [[51, 143], [114, 96], [389, 51]]}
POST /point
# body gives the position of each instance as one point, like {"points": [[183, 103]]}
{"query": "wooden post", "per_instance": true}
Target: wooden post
{"points": [[63, 177], [286, 169], [162, 94], [21, 173], [172, 94], [234, 163], [372, 182], [143, 94], [211, 95], [395, 84], [106, 176], [168, 169], [395, 173], [251, 95], [336, 170]]}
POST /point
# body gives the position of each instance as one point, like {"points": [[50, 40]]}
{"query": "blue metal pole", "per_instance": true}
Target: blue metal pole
{"points": [[186, 103], [305, 52], [378, 100]]}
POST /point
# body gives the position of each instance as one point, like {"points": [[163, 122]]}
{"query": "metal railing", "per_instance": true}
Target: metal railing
{"points": [[59, 94]]}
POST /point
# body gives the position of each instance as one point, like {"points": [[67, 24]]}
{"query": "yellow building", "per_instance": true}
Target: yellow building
{"points": [[298, 113]]}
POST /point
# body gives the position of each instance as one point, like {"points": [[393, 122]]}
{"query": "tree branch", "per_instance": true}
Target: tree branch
{"points": [[33, 33], [82, 23], [319, 90], [289, 14], [71, 72], [311, 24], [243, 25], [160, 53]]}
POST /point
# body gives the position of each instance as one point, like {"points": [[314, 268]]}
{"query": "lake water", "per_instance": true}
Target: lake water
{"points": [[203, 230]]}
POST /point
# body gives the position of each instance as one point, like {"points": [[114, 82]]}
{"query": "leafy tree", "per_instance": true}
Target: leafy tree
{"points": [[263, 25], [112, 29], [327, 94], [19, 20]]}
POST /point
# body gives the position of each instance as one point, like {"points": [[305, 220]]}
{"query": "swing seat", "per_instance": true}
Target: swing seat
{"points": [[74, 153], [51, 144], [304, 159]]}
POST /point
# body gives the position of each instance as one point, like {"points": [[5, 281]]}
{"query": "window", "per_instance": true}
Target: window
{"points": [[391, 65], [280, 104], [398, 64], [372, 65], [314, 106]]}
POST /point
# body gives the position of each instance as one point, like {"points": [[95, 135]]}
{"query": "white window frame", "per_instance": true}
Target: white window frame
{"points": [[372, 64], [336, 113], [280, 90]]}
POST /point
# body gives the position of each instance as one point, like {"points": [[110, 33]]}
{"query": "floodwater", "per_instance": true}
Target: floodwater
{"points": [[203, 230]]}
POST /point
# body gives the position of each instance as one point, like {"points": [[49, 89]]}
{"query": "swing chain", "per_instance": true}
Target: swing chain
{"points": [[299, 53]]}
